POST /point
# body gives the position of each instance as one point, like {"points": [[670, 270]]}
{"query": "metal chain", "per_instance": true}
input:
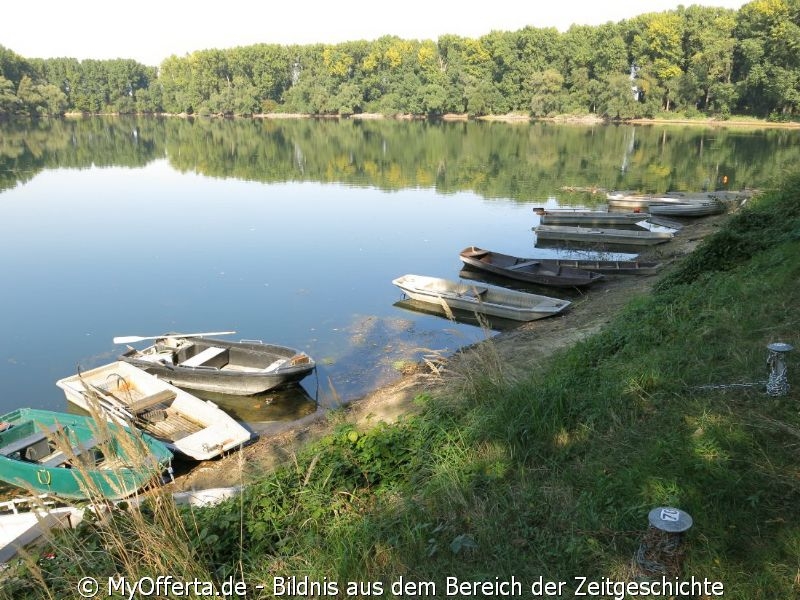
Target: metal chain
{"points": [[728, 386], [777, 387], [659, 552], [777, 384]]}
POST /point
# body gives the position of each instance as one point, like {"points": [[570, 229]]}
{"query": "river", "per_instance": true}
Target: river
{"points": [[291, 231]]}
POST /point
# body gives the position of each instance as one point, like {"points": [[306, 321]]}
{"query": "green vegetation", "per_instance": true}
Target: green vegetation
{"points": [[494, 160], [551, 475], [690, 61]]}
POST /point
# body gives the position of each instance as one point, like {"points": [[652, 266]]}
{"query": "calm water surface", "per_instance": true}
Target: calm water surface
{"points": [[291, 233]]}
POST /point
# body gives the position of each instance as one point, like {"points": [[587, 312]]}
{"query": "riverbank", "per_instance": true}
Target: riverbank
{"points": [[511, 118], [519, 350]]}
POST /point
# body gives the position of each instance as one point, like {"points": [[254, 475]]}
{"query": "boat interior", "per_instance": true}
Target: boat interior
{"points": [[28, 443], [197, 353], [156, 414]]}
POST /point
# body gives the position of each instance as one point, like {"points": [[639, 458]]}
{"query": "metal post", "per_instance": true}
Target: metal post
{"points": [[661, 551], [778, 384]]}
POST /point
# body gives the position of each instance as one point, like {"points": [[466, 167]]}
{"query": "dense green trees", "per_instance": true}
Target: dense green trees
{"points": [[38, 87], [696, 59]]}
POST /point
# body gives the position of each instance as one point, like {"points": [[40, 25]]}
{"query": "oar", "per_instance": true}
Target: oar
{"points": [[127, 339]]}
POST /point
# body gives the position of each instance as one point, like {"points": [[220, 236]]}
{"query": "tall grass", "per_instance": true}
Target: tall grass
{"points": [[144, 536]]}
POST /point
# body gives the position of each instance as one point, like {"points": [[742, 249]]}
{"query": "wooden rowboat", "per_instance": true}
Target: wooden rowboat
{"points": [[639, 201], [601, 236], [527, 269], [688, 209], [608, 267], [482, 299], [589, 217]]}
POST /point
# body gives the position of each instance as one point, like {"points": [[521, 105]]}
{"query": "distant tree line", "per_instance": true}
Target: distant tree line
{"points": [[691, 60]]}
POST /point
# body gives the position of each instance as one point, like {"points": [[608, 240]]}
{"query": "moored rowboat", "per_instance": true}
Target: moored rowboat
{"points": [[238, 368], [482, 299], [591, 217], [689, 209], [608, 267], [526, 269], [597, 235], [72, 456], [127, 395]]}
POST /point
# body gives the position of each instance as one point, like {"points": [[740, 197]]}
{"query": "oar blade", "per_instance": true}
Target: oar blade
{"points": [[129, 339]]}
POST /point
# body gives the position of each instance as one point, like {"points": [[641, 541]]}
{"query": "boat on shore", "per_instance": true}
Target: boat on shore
{"points": [[528, 270], [640, 202], [25, 520], [637, 201], [238, 368], [590, 217], [73, 456], [481, 299], [689, 209], [608, 267], [602, 236], [127, 395]]}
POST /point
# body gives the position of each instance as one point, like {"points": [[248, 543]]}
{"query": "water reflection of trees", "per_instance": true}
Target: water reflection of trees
{"points": [[494, 160]]}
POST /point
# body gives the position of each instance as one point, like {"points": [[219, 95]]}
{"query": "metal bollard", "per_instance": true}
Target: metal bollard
{"points": [[660, 551], [778, 384]]}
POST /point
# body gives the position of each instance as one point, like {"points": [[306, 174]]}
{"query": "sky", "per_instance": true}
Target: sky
{"points": [[151, 30]]}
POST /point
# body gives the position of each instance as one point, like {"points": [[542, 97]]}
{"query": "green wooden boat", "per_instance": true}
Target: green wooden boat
{"points": [[74, 456]]}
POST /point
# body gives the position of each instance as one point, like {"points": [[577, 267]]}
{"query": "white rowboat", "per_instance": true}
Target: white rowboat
{"points": [[482, 299], [128, 395]]}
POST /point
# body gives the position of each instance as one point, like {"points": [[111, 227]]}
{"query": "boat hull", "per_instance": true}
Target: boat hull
{"points": [[482, 299], [241, 368], [593, 218], [526, 269], [689, 209], [600, 236], [609, 267], [105, 461]]}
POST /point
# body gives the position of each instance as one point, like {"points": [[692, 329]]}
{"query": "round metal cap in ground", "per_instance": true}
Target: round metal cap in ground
{"points": [[780, 347], [673, 520]]}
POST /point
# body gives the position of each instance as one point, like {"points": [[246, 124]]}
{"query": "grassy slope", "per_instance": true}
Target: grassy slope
{"points": [[554, 476]]}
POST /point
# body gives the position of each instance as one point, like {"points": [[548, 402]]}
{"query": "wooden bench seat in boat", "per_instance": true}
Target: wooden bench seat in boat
{"points": [[25, 442], [203, 357], [58, 457], [142, 404], [525, 263]]}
